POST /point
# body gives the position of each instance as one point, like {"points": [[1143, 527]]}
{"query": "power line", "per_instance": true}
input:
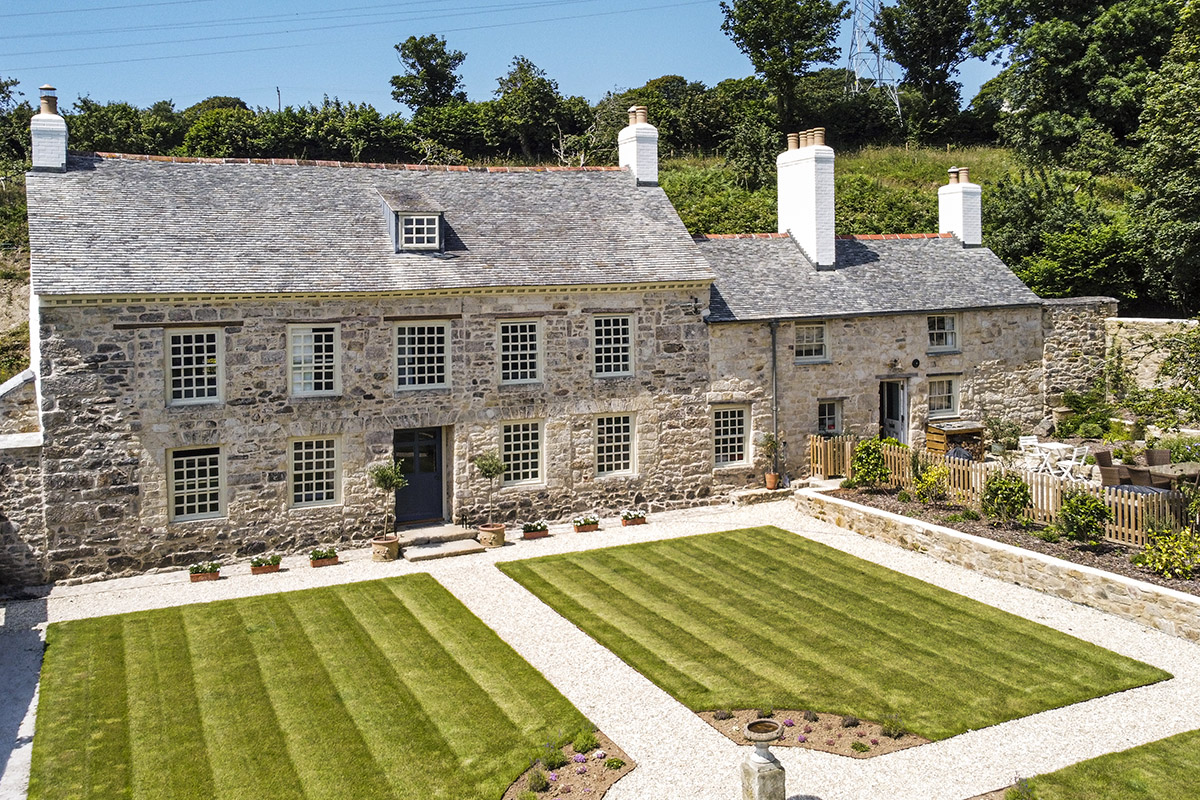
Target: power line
{"points": [[103, 8]]}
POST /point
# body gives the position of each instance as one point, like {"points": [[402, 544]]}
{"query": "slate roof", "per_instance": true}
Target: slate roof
{"points": [[763, 276], [118, 225]]}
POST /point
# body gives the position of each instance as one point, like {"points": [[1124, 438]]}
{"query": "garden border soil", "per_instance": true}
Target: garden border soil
{"points": [[595, 783]]}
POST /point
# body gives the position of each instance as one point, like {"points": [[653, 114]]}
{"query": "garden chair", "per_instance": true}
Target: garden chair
{"points": [[1026, 443], [1111, 476], [1066, 465], [1158, 458], [1103, 458], [1139, 476]]}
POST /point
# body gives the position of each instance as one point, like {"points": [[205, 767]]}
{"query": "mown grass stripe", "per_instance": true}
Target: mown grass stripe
{"points": [[312, 715], [247, 751], [83, 666], [164, 714]]}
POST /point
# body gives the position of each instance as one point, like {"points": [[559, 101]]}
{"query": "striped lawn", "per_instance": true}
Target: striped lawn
{"points": [[1168, 769], [761, 616], [386, 689]]}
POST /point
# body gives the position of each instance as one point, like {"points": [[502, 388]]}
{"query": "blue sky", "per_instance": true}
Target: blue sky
{"points": [[141, 51]]}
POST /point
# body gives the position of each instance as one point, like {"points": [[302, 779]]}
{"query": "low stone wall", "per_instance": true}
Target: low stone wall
{"points": [[22, 527], [18, 404], [1167, 610]]}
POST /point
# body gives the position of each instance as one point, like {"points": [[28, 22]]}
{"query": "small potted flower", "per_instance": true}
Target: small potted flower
{"points": [[323, 556], [535, 530], [587, 522], [205, 571], [633, 517], [261, 565]]}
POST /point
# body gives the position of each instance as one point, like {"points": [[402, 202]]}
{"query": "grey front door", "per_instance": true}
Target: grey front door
{"points": [[893, 410], [419, 450]]}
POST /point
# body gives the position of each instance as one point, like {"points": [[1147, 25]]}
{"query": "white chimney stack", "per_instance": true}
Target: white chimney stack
{"points": [[960, 208], [49, 132], [806, 195], [637, 147]]}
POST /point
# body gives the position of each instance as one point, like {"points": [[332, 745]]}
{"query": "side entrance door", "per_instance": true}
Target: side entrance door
{"points": [[893, 410], [419, 450]]}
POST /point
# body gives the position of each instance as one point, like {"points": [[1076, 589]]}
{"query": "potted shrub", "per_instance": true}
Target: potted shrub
{"points": [[261, 565], [323, 556], [587, 522], [205, 571], [535, 530], [388, 477], [769, 445], [633, 517], [491, 466]]}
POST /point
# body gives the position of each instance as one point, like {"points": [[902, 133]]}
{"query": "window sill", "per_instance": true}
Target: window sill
{"points": [[204, 518], [198, 404], [332, 396], [806, 362], [731, 465], [312, 506], [954, 352], [442, 388]]}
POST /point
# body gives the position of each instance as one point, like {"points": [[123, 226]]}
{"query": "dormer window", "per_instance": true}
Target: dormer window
{"points": [[414, 220], [420, 232]]}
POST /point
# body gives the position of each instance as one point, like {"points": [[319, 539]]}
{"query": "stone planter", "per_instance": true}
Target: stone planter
{"points": [[587, 528], [385, 548], [264, 569], [196, 577], [491, 534], [534, 534], [634, 521], [323, 562]]}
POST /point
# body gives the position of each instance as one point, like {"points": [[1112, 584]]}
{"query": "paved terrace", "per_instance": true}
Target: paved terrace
{"points": [[679, 756]]}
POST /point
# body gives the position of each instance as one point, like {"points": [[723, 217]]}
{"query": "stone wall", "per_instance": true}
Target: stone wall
{"points": [[109, 429], [18, 404], [1137, 340], [22, 526], [1076, 342], [1164, 609], [998, 366]]}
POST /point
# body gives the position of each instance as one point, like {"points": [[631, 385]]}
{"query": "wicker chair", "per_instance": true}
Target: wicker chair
{"points": [[1111, 476], [1158, 458], [1139, 476], [1103, 457]]}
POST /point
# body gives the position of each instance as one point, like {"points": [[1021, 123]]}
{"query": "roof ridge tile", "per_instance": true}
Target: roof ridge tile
{"points": [[302, 162]]}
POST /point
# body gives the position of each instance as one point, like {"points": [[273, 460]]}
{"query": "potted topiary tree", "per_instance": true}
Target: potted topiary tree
{"points": [[769, 445], [387, 477], [491, 466]]}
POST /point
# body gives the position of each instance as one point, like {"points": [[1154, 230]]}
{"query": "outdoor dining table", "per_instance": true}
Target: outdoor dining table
{"points": [[1051, 453], [1184, 471]]}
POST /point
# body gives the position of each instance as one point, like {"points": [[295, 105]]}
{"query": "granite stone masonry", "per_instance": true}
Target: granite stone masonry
{"points": [[18, 404], [1076, 342], [22, 526], [1138, 341]]}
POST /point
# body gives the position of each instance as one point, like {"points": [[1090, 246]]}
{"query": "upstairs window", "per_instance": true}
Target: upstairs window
{"points": [[420, 232], [195, 367], [612, 343], [810, 343], [943, 333], [520, 351], [422, 355], [315, 366]]}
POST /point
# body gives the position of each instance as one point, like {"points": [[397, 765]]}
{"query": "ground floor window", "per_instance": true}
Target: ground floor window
{"points": [[829, 416], [729, 436], [614, 445], [314, 472], [521, 449], [195, 483], [943, 397]]}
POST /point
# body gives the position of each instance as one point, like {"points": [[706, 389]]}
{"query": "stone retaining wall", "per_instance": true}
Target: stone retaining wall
{"points": [[1075, 339], [1138, 340], [22, 526], [1155, 607]]}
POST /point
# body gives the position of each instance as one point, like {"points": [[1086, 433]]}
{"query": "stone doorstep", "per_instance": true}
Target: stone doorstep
{"points": [[435, 534], [432, 550]]}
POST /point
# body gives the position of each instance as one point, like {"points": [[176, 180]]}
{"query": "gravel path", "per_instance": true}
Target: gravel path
{"points": [[679, 756]]}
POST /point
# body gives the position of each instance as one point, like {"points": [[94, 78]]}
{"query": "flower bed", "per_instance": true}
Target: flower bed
{"points": [[819, 731], [589, 774]]}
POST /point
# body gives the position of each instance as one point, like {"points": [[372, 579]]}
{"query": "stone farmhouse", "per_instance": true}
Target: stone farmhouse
{"points": [[222, 347]]}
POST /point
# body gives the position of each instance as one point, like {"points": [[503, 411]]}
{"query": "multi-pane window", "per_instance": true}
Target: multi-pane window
{"points": [[314, 360], [942, 332], [810, 342], [729, 436], [419, 232], [314, 472], [829, 416], [520, 353], [521, 450], [943, 397], [422, 359], [194, 365], [195, 483], [614, 445], [612, 345]]}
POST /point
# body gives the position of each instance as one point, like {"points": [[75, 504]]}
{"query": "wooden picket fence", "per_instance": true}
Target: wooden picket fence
{"points": [[1133, 514]]}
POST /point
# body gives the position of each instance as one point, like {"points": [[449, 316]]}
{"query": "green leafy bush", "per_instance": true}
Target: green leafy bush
{"points": [[1048, 534], [932, 485], [970, 514], [859, 747], [765, 712], [554, 757], [1002, 431], [1082, 518], [868, 465], [1172, 553], [585, 742], [538, 782], [1005, 497], [1090, 430], [1183, 448], [903, 496], [892, 726], [614, 763]]}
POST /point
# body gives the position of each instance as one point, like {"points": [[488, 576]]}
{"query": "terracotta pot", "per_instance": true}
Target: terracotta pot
{"points": [[491, 534], [264, 569], [323, 562], [586, 528], [534, 534], [196, 577], [772, 480], [385, 548], [634, 521]]}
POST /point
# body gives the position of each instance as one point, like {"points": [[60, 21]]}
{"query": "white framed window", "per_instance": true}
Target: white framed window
{"points": [[195, 367], [422, 355], [730, 436], [943, 397], [195, 483], [810, 343], [420, 231], [315, 359], [520, 351], [829, 416], [614, 445], [521, 451], [612, 346], [313, 472], [943, 332]]}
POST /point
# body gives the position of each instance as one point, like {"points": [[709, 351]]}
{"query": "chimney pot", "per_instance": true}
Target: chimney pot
{"points": [[818, 135], [953, 173], [642, 115], [964, 175], [48, 132], [633, 115], [960, 209], [793, 141], [49, 99], [637, 147]]}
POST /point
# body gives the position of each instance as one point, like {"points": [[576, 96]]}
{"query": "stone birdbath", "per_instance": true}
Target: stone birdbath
{"points": [[762, 774]]}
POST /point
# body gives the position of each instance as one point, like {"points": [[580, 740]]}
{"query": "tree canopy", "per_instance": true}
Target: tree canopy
{"points": [[430, 78]]}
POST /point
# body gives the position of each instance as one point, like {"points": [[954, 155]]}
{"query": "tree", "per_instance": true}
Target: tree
{"points": [[529, 103], [430, 79], [783, 39], [928, 39], [223, 133], [193, 112], [14, 124]]}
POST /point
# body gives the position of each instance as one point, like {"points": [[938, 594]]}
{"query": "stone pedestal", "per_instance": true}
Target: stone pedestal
{"points": [[762, 780]]}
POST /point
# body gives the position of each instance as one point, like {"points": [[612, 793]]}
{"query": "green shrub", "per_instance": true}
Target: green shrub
{"points": [[932, 486], [868, 466], [850, 721], [903, 496], [1183, 448], [860, 747], [892, 726], [1082, 518], [538, 782], [766, 712], [971, 514], [554, 757], [722, 714], [585, 742], [1090, 430], [1172, 553], [811, 716], [1005, 497], [849, 483], [614, 763], [1048, 534], [1003, 431]]}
